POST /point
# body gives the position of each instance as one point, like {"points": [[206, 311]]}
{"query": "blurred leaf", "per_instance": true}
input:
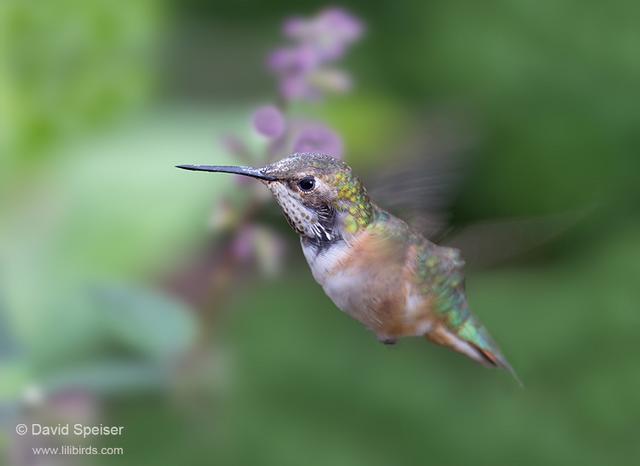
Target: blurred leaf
{"points": [[147, 321], [68, 66], [14, 377], [109, 377], [8, 343]]}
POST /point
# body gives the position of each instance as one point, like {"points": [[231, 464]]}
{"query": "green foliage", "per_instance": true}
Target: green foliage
{"points": [[549, 86], [153, 325], [69, 66]]}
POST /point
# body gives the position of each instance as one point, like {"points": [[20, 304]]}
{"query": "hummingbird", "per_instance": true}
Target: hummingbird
{"points": [[371, 264]]}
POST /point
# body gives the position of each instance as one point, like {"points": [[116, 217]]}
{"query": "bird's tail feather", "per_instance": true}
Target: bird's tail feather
{"points": [[496, 359], [488, 354]]}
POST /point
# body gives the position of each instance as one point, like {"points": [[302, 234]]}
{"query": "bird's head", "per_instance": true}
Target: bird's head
{"points": [[319, 195]]}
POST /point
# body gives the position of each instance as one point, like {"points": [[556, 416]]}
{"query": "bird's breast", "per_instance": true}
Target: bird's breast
{"points": [[368, 280], [323, 259]]}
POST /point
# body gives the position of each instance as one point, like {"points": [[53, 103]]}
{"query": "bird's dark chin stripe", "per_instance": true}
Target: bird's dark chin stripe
{"points": [[323, 240], [319, 245]]}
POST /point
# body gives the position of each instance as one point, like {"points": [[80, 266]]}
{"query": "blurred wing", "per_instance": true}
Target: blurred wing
{"points": [[489, 243], [422, 182]]}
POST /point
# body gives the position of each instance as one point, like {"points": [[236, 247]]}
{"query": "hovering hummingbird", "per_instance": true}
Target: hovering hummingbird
{"points": [[371, 264]]}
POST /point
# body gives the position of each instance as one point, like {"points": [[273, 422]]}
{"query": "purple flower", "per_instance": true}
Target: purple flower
{"points": [[304, 69], [341, 24], [316, 137], [269, 121], [330, 32], [287, 60], [243, 246], [299, 87]]}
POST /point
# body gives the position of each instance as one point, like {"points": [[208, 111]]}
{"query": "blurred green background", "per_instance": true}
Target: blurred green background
{"points": [[113, 308]]}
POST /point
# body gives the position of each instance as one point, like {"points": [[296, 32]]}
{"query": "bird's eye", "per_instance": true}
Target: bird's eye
{"points": [[307, 183]]}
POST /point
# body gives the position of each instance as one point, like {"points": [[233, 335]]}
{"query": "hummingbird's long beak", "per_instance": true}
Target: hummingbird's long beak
{"points": [[246, 171]]}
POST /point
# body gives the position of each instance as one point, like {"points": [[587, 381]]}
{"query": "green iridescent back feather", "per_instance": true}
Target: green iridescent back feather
{"points": [[440, 274]]}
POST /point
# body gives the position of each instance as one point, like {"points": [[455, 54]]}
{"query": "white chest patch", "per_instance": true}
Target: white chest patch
{"points": [[323, 262], [342, 287]]}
